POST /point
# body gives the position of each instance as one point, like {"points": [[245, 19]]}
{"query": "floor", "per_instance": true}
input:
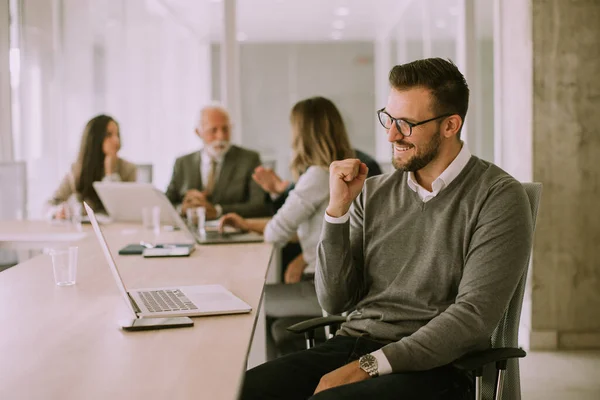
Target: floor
{"points": [[561, 375]]}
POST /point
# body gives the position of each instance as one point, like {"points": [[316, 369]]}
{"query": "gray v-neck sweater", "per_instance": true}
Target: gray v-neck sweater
{"points": [[431, 279]]}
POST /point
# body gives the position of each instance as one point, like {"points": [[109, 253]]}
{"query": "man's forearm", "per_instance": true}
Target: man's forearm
{"points": [[337, 278]]}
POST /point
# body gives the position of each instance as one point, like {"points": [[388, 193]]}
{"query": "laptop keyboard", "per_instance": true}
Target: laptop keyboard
{"points": [[166, 300]]}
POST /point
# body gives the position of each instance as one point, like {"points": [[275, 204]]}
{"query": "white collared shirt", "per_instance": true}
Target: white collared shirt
{"points": [[446, 177]]}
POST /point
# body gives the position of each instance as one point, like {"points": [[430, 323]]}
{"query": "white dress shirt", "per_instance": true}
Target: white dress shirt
{"points": [[441, 182]]}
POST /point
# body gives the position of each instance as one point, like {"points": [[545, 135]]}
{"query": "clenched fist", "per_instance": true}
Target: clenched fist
{"points": [[346, 180]]}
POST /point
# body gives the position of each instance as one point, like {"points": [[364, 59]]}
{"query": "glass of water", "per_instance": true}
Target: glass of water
{"points": [[201, 215], [151, 218], [64, 263]]}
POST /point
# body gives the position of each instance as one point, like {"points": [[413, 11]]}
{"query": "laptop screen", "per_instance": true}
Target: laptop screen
{"points": [[109, 258]]}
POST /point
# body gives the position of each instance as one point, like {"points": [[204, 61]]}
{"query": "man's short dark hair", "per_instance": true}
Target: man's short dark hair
{"points": [[447, 84]]}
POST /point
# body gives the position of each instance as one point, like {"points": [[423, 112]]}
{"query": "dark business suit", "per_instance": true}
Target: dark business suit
{"points": [[234, 191]]}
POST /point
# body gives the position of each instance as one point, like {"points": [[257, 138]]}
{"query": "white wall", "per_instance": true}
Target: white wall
{"points": [[274, 76], [81, 58]]}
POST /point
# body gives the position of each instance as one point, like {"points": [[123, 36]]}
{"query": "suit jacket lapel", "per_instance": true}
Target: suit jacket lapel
{"points": [[227, 170], [195, 177]]}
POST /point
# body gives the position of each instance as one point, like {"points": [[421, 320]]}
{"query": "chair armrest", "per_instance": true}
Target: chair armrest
{"points": [[314, 323], [478, 359]]}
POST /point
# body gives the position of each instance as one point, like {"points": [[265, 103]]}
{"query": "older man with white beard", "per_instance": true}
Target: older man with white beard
{"points": [[219, 176]]}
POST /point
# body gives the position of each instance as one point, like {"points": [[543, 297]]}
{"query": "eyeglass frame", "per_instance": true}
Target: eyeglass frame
{"points": [[411, 125]]}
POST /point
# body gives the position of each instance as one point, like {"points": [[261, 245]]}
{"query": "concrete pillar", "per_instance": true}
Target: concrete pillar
{"points": [[566, 144]]}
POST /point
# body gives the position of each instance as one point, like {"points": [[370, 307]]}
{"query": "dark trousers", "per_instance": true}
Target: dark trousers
{"points": [[297, 375]]}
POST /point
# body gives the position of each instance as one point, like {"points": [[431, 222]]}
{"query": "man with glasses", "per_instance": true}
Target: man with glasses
{"points": [[425, 260]]}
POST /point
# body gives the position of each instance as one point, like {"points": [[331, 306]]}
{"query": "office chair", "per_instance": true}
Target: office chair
{"points": [[13, 202], [144, 173], [504, 353]]}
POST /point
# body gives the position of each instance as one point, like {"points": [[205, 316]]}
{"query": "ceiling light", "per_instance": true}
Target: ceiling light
{"points": [[336, 35], [342, 11], [339, 24], [241, 37]]}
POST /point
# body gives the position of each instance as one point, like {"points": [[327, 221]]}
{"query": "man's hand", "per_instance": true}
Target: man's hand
{"points": [[193, 198], [232, 219], [194, 195], [211, 211], [269, 181], [110, 164], [295, 269], [349, 373], [346, 179]]}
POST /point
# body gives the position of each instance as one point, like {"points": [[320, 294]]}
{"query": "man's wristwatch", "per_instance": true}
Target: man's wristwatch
{"points": [[368, 363]]}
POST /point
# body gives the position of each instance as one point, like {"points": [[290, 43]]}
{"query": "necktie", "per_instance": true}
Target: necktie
{"points": [[212, 175]]}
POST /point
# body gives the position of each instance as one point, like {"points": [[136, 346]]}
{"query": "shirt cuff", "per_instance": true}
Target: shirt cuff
{"points": [[219, 210], [383, 365], [339, 220], [114, 177]]}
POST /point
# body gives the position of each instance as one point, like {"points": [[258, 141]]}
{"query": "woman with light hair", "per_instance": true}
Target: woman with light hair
{"points": [[318, 138]]}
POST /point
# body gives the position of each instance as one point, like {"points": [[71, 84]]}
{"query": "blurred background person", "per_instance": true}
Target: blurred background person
{"points": [[279, 189], [97, 161], [319, 137], [219, 176]]}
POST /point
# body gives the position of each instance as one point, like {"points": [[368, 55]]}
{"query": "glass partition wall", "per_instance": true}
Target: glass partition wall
{"points": [[460, 30], [135, 60]]}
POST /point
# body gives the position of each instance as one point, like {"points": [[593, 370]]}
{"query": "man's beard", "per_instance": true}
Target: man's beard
{"points": [[216, 152], [423, 157]]}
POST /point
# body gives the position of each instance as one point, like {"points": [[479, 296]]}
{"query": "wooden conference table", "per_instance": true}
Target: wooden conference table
{"points": [[65, 342]]}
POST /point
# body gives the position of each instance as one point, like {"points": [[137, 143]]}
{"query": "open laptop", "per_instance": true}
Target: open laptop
{"points": [[125, 200], [188, 301]]}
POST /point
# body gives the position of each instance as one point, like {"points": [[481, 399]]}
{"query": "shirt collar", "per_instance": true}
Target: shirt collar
{"points": [[206, 158], [448, 175]]}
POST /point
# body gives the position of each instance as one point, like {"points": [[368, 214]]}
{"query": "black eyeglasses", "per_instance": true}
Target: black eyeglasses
{"points": [[403, 126]]}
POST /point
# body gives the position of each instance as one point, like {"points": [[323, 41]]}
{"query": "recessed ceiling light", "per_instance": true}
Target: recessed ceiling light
{"points": [[342, 11], [336, 35], [339, 24], [241, 37]]}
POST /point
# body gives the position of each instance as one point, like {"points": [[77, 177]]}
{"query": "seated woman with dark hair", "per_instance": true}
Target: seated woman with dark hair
{"points": [[97, 161]]}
